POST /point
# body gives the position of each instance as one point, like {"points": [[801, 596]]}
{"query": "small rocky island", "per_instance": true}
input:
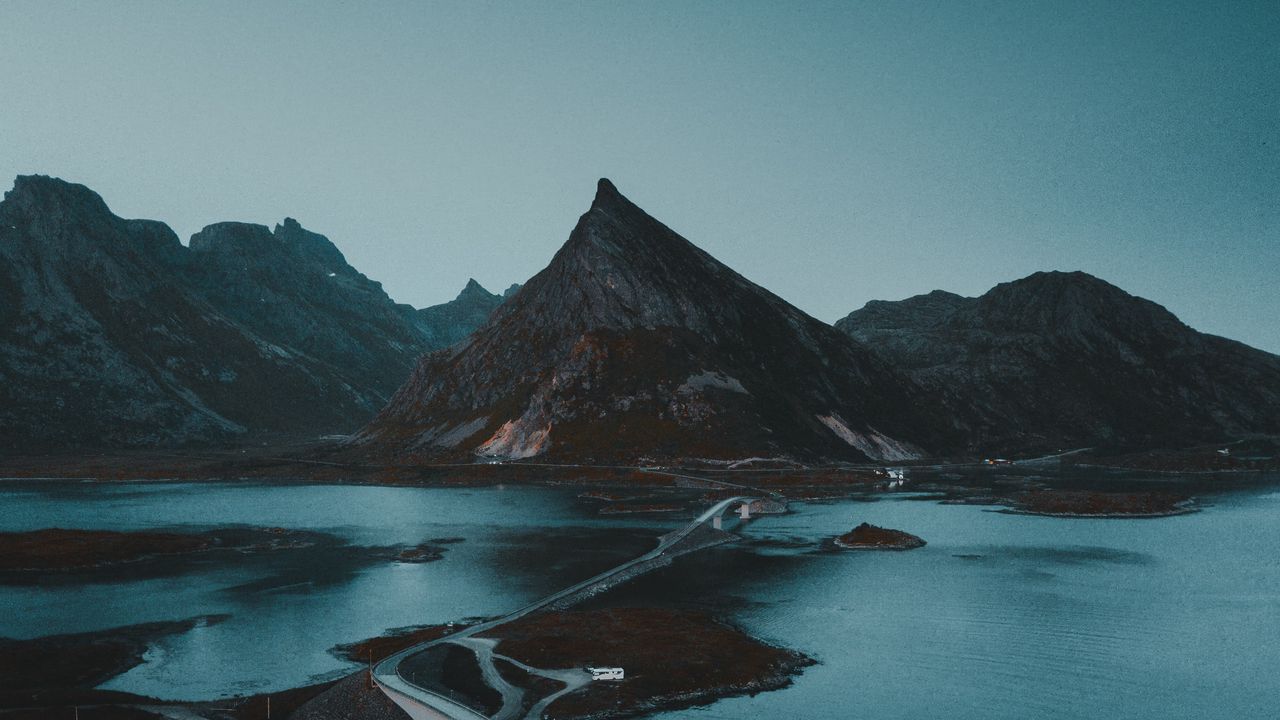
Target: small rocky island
{"points": [[870, 537]]}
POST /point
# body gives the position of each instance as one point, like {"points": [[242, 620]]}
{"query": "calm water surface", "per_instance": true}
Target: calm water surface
{"points": [[1010, 616], [288, 609], [1000, 616]]}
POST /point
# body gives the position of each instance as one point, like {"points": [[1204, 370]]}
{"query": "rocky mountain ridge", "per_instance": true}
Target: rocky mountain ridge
{"points": [[1063, 360], [632, 345], [112, 333]]}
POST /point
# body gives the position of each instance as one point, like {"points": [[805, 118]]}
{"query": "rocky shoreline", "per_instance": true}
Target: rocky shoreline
{"points": [[1089, 504], [65, 669], [638, 508], [74, 555], [65, 550]]}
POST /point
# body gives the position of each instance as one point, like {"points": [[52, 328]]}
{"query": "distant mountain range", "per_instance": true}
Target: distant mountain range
{"points": [[451, 322], [631, 346], [112, 333], [1065, 360]]}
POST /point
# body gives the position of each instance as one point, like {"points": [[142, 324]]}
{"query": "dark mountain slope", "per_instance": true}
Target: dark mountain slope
{"points": [[448, 323], [635, 344], [295, 289], [89, 324], [112, 333], [1068, 360]]}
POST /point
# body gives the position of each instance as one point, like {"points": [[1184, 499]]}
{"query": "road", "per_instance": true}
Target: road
{"points": [[386, 673], [725, 483], [513, 697]]}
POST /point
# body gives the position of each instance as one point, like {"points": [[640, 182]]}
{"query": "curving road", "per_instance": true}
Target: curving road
{"points": [[423, 704]]}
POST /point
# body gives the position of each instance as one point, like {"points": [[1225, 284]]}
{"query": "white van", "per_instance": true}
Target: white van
{"points": [[602, 673]]}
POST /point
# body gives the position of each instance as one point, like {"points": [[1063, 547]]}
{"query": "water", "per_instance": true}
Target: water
{"points": [[1000, 616], [288, 609], [1009, 616]]}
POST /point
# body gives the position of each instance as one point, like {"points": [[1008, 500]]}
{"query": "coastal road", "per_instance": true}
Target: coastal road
{"points": [[386, 674], [513, 697], [725, 483]]}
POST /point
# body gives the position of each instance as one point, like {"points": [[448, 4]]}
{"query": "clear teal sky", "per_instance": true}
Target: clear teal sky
{"points": [[832, 153]]}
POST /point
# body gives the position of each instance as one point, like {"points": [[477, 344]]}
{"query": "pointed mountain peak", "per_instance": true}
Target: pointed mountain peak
{"points": [[607, 194], [474, 289], [614, 227], [611, 203], [633, 342], [622, 268]]}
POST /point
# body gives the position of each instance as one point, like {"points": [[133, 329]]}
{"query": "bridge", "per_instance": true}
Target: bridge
{"points": [[424, 704]]}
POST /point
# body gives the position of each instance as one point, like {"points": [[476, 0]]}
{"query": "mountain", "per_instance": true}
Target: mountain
{"points": [[448, 323], [632, 345], [294, 289], [1064, 360], [112, 333]]}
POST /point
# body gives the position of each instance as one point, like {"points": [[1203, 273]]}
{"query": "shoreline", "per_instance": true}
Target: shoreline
{"points": [[1100, 516], [284, 460]]}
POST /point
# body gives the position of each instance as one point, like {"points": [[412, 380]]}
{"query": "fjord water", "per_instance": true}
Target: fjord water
{"points": [[289, 608], [999, 616], [1014, 616]]}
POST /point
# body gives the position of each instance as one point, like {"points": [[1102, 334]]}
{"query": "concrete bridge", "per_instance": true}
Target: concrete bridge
{"points": [[423, 704]]}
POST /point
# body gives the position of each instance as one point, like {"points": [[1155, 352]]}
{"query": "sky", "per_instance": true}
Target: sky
{"points": [[833, 153]]}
